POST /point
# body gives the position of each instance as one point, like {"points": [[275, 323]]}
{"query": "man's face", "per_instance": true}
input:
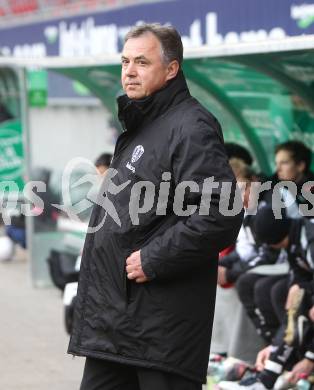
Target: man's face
{"points": [[287, 168], [102, 169], [143, 69]]}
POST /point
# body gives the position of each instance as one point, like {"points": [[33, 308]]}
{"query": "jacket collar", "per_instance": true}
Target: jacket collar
{"points": [[135, 113]]}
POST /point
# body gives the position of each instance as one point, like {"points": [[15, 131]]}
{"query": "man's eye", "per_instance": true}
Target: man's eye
{"points": [[142, 62]]}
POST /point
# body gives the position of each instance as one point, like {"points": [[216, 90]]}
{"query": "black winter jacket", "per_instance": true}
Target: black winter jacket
{"points": [[166, 322]]}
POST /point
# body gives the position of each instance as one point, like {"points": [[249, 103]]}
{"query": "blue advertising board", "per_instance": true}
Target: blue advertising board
{"points": [[201, 22]]}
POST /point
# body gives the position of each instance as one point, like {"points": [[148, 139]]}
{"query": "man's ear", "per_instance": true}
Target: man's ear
{"points": [[173, 68], [301, 167]]}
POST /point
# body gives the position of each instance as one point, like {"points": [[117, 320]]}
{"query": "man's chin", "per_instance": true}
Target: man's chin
{"points": [[134, 96]]}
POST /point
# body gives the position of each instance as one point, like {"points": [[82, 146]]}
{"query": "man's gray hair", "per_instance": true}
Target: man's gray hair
{"points": [[168, 36]]}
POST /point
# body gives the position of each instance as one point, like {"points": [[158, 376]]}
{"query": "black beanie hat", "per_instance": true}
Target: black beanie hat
{"points": [[268, 229]]}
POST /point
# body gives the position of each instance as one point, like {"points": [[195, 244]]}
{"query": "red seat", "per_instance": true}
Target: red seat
{"points": [[23, 6]]}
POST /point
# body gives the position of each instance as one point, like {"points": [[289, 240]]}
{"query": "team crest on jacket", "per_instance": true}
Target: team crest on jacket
{"points": [[137, 153]]}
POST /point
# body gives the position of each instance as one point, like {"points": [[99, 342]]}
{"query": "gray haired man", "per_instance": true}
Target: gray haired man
{"points": [[147, 290]]}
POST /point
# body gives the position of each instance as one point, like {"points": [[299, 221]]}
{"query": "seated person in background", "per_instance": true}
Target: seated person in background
{"points": [[227, 303], [247, 253], [235, 261], [296, 236], [296, 348], [295, 351], [240, 161], [102, 163], [17, 231], [263, 296], [293, 162], [239, 152], [305, 365]]}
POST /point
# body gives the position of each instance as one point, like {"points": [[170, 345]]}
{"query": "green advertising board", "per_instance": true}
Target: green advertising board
{"points": [[37, 88], [11, 154]]}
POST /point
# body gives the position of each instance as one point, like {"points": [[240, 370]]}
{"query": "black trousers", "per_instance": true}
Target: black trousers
{"points": [[263, 298], [102, 375]]}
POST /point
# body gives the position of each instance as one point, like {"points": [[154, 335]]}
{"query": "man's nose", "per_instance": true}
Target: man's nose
{"points": [[130, 69]]}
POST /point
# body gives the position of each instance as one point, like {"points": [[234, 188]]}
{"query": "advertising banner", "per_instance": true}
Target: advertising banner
{"points": [[201, 22], [11, 156]]}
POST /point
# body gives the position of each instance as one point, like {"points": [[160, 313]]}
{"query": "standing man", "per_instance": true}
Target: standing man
{"points": [[147, 287]]}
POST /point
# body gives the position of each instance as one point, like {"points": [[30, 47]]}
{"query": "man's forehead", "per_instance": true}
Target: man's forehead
{"points": [[283, 155], [141, 46]]}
